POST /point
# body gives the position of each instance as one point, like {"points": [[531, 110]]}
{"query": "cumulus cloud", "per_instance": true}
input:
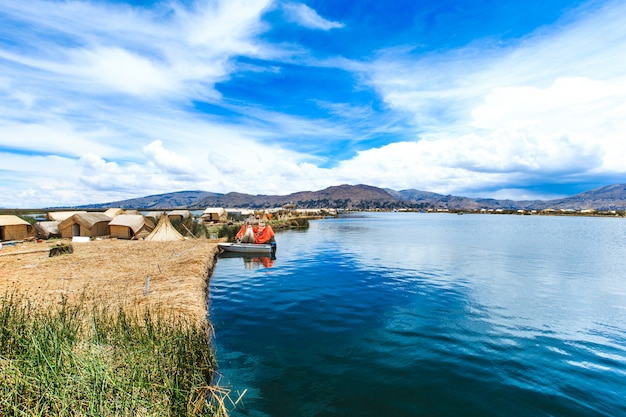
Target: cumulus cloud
{"points": [[167, 160], [93, 89], [98, 174], [508, 114], [303, 15]]}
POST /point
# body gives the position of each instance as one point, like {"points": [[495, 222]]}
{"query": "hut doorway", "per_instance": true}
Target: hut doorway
{"points": [[76, 229]]}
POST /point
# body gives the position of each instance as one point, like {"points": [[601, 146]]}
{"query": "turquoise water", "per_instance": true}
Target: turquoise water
{"points": [[407, 314]]}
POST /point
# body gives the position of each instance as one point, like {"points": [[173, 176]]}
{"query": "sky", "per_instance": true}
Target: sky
{"points": [[104, 100]]}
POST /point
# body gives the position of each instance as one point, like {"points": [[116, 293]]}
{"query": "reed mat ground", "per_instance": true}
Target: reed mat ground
{"points": [[86, 334], [113, 273]]}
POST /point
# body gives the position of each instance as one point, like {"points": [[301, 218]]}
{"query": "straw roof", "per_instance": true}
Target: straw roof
{"points": [[47, 229], [154, 214], [218, 210], [164, 231], [134, 221], [87, 220], [114, 212], [11, 220], [181, 213], [62, 215]]}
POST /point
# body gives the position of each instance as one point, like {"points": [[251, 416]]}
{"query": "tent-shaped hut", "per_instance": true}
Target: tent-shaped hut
{"points": [[47, 229], [164, 231], [85, 224], [129, 226], [14, 228]]}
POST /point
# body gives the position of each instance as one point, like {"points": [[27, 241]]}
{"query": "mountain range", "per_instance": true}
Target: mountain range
{"points": [[363, 197]]}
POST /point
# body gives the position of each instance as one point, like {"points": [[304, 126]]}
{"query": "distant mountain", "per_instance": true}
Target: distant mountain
{"points": [[176, 200], [342, 196], [612, 197]]}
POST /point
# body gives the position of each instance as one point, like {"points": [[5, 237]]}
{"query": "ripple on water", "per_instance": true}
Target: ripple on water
{"points": [[462, 315]]}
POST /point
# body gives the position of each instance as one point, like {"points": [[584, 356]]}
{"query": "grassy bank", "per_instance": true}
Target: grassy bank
{"points": [[81, 361], [62, 353]]}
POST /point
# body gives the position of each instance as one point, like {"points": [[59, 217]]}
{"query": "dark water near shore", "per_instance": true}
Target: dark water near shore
{"points": [[406, 314]]}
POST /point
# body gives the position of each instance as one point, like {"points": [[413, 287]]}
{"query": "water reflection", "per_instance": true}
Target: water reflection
{"points": [[251, 262], [453, 315]]}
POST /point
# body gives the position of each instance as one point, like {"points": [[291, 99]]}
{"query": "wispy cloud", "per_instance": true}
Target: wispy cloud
{"points": [[102, 101], [307, 17], [550, 105]]}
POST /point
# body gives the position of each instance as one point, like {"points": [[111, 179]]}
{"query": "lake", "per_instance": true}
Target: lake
{"points": [[412, 314]]}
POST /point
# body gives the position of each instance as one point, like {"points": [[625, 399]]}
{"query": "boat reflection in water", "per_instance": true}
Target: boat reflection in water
{"points": [[251, 261]]}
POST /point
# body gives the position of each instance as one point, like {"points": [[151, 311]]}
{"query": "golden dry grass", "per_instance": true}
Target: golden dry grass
{"points": [[113, 273]]}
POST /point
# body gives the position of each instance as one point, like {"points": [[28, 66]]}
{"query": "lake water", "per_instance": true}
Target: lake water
{"points": [[408, 314]]}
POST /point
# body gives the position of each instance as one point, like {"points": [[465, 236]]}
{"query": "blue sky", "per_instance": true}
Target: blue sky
{"points": [[107, 100]]}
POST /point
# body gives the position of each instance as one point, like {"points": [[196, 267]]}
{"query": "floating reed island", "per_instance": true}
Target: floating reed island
{"points": [[113, 328]]}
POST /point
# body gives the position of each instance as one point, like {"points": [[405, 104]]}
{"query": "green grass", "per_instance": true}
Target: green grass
{"points": [[78, 362], [229, 231]]}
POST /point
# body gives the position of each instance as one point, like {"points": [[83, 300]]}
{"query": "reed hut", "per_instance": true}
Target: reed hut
{"points": [[47, 229], [178, 214], [164, 231], [85, 224], [214, 215], [114, 212], [62, 215], [14, 228], [154, 216], [130, 226]]}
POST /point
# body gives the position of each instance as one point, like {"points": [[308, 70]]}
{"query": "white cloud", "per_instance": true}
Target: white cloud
{"points": [[307, 17], [122, 71], [109, 111], [51, 137], [167, 160], [550, 107], [171, 50]]}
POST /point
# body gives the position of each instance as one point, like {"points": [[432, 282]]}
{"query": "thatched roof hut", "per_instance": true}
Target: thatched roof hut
{"points": [[164, 231], [47, 230], [62, 215], [129, 226], [85, 224], [179, 214], [215, 215], [154, 215], [14, 228], [114, 212]]}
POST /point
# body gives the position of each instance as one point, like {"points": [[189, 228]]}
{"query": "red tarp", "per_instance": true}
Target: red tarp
{"points": [[262, 234]]}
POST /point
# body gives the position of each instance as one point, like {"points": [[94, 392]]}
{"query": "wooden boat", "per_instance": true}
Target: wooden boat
{"points": [[261, 248], [252, 238]]}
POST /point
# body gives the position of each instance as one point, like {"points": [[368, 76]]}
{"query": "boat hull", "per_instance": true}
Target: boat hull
{"points": [[264, 248]]}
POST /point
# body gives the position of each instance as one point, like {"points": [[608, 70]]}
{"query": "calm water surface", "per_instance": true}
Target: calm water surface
{"points": [[407, 314]]}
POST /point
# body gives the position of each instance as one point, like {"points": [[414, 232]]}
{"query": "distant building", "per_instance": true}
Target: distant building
{"points": [[178, 214], [214, 215]]}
